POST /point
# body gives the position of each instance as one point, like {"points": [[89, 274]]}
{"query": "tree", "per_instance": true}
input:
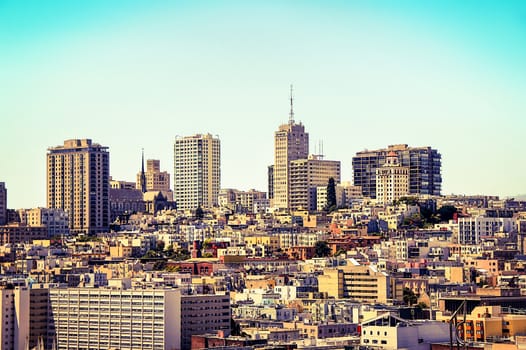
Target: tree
{"points": [[409, 296], [322, 249], [199, 213], [331, 195], [446, 212]]}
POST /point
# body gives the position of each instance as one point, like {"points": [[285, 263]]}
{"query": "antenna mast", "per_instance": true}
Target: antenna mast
{"points": [[291, 114]]}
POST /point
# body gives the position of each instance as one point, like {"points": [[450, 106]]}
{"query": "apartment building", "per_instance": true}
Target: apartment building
{"points": [[424, 165], [392, 180], [197, 171], [305, 176], [78, 183], [357, 282], [473, 229], [3, 204], [103, 318], [14, 315], [55, 220]]}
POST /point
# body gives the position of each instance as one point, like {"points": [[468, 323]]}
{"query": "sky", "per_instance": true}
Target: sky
{"points": [[134, 74]]}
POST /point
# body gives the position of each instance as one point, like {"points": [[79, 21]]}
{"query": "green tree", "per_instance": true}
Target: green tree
{"points": [[199, 213], [331, 195], [409, 296], [446, 212], [322, 249]]}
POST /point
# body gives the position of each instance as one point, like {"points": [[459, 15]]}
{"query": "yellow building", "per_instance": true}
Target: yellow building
{"points": [[489, 322], [358, 282]]}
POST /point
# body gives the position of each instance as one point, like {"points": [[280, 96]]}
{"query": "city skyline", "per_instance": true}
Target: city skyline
{"points": [[365, 75]]}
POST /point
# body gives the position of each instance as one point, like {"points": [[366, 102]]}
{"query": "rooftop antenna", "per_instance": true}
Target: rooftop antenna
{"points": [[291, 114]]}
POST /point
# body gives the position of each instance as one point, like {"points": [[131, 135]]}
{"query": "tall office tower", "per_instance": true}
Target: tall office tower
{"points": [[305, 176], [3, 204], [424, 165], [153, 179], [78, 183], [197, 171], [392, 180], [291, 142]]}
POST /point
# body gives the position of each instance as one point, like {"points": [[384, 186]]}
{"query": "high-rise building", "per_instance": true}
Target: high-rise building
{"points": [[305, 176], [291, 142], [153, 179], [424, 165], [99, 318], [197, 171], [78, 183], [14, 315], [126, 318], [3, 204], [392, 180]]}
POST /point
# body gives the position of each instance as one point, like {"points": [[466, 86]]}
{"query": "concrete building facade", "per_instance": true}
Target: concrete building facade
{"points": [[3, 204], [104, 318], [55, 220], [392, 180], [424, 165], [78, 183], [291, 142], [197, 171], [305, 176]]}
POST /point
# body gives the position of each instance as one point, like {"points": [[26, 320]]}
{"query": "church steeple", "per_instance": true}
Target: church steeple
{"points": [[143, 175]]}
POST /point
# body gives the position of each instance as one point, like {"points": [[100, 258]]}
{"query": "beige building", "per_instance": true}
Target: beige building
{"points": [[291, 142], [14, 315], [197, 171], [154, 179], [305, 176], [357, 282], [3, 204], [78, 183], [392, 180], [55, 220]]}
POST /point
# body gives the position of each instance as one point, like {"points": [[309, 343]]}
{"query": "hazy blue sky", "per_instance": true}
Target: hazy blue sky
{"points": [[366, 74]]}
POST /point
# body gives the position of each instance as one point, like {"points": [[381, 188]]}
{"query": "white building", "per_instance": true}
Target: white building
{"points": [[100, 318], [197, 171], [392, 180], [472, 230], [390, 332]]}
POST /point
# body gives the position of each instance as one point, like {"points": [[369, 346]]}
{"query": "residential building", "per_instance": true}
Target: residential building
{"points": [[78, 183], [471, 230], [197, 171], [204, 313], [291, 142], [424, 165], [358, 282], [391, 332], [270, 179], [305, 175], [104, 318], [3, 204], [16, 232], [55, 220], [392, 180], [14, 315]]}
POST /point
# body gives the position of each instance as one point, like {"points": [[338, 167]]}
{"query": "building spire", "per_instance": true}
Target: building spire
{"points": [[143, 175], [291, 114]]}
